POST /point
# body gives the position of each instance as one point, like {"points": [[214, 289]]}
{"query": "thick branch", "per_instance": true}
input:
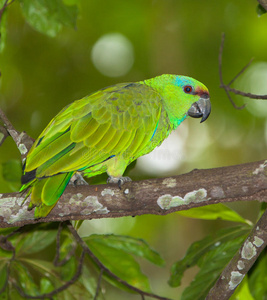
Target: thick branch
{"points": [[156, 196], [240, 264]]}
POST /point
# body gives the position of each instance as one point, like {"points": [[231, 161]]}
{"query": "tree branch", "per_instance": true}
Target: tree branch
{"points": [[3, 134], [155, 196], [240, 264], [22, 140]]}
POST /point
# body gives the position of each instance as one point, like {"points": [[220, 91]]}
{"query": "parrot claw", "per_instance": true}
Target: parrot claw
{"points": [[119, 180], [77, 179]]}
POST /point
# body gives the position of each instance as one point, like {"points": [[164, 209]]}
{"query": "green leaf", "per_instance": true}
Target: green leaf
{"points": [[44, 267], [200, 249], [46, 286], [68, 269], [89, 281], [47, 270], [35, 241], [47, 16], [260, 10], [213, 212], [11, 170], [129, 245], [66, 245], [24, 278], [119, 262], [242, 292], [258, 278], [7, 230]]}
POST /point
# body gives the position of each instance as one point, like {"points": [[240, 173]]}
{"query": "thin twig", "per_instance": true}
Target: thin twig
{"points": [[7, 123], [221, 76], [10, 2], [6, 4], [227, 87], [71, 253], [58, 290], [22, 140], [248, 95], [5, 134], [2, 9], [98, 287], [241, 72], [105, 269]]}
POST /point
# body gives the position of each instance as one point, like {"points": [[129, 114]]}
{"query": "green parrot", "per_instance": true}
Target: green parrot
{"points": [[106, 131]]}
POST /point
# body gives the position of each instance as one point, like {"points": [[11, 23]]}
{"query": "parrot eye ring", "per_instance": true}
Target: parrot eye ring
{"points": [[188, 89]]}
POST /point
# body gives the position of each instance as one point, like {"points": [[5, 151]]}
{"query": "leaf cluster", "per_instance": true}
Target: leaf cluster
{"points": [[27, 270], [47, 17], [26, 256]]}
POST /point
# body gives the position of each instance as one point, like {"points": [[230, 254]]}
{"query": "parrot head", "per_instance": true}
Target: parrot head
{"points": [[202, 107], [182, 97], [194, 95]]}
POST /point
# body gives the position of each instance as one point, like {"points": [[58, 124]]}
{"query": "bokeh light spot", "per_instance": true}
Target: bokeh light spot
{"points": [[168, 156], [113, 55], [255, 81]]}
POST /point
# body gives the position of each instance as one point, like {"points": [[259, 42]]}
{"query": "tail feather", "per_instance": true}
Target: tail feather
{"points": [[46, 192], [54, 188]]}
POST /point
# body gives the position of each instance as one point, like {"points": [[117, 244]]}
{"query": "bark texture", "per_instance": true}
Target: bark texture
{"points": [[156, 196]]}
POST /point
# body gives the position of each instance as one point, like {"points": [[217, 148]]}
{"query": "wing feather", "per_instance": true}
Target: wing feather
{"points": [[83, 128], [48, 149], [104, 142], [98, 135], [118, 120], [125, 140]]}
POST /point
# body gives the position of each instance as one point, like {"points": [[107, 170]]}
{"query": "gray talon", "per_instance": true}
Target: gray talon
{"points": [[119, 180], [77, 179]]}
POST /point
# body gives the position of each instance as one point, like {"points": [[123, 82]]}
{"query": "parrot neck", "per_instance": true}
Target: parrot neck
{"points": [[169, 94], [176, 122]]}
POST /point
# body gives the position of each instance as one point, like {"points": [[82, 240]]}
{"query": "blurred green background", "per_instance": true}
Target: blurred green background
{"points": [[123, 41]]}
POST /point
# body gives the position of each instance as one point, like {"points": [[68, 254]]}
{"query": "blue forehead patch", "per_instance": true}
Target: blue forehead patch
{"points": [[183, 80]]}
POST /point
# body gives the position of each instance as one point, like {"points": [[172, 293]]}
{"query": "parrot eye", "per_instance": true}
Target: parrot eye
{"points": [[188, 89]]}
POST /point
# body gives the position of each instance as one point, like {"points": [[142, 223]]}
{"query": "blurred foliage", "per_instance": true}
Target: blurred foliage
{"points": [[46, 62], [257, 279], [260, 10]]}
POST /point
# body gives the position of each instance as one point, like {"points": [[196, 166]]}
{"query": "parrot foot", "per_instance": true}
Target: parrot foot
{"points": [[77, 179], [119, 180]]}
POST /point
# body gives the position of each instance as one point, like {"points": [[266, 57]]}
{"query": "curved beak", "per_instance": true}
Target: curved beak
{"points": [[200, 109]]}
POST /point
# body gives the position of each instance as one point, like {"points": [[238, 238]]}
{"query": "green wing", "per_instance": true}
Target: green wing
{"points": [[101, 132], [117, 121]]}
